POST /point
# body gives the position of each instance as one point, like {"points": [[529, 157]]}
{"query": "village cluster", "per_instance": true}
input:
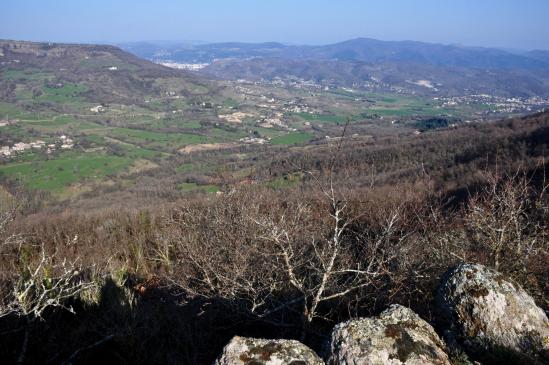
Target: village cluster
{"points": [[63, 143], [275, 108], [497, 104], [183, 66]]}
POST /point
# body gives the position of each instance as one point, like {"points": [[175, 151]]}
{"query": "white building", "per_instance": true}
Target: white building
{"points": [[21, 146], [5, 151], [97, 109]]}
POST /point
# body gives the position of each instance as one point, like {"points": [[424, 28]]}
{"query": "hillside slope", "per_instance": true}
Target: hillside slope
{"points": [[108, 73], [419, 78], [74, 116]]}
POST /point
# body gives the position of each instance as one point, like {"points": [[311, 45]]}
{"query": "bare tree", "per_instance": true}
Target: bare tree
{"points": [[46, 285], [508, 218], [41, 285], [331, 261], [275, 255], [212, 250]]}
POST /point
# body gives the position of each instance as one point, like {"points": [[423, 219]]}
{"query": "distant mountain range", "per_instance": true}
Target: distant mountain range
{"points": [[360, 49], [455, 69]]}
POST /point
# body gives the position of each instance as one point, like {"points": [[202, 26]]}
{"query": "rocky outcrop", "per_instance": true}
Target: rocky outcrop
{"points": [[487, 314], [489, 317], [397, 336], [253, 351]]}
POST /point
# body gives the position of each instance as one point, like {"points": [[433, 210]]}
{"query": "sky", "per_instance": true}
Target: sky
{"points": [[509, 24]]}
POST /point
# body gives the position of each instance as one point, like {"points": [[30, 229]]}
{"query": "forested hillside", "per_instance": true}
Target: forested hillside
{"points": [[183, 276]]}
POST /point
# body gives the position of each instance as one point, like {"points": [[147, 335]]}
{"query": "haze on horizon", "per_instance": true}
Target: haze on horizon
{"points": [[509, 24]]}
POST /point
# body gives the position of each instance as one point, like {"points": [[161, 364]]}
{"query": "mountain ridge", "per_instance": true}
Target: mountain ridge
{"points": [[359, 49], [447, 70]]}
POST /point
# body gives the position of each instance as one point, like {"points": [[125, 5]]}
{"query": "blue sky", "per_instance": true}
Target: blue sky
{"points": [[520, 24]]}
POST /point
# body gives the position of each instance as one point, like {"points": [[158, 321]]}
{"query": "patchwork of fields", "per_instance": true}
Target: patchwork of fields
{"points": [[61, 129]]}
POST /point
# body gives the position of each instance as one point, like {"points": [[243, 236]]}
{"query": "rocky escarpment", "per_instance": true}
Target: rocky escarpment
{"points": [[487, 314], [253, 351], [397, 336]]}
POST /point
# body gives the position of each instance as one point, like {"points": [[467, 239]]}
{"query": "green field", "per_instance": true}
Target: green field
{"points": [[29, 74], [61, 94], [11, 111], [149, 116], [407, 111], [152, 139], [60, 124], [326, 118], [55, 175]]}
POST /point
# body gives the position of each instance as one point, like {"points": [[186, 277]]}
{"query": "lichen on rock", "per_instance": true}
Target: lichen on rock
{"points": [[485, 313], [397, 336], [255, 351]]}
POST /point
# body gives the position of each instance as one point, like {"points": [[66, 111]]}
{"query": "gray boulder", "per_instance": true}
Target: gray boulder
{"points": [[397, 336], [490, 315], [254, 351]]}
